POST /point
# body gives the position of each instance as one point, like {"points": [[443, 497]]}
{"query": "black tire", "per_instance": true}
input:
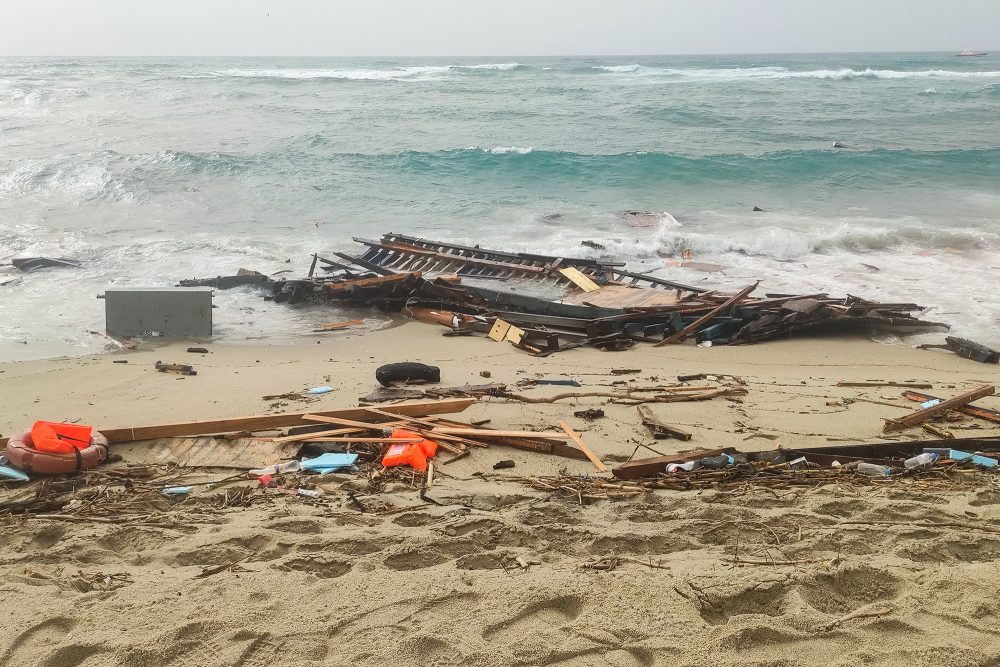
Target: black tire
{"points": [[407, 371]]}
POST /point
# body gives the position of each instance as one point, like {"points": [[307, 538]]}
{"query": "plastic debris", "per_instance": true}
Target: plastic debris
{"points": [[329, 462]]}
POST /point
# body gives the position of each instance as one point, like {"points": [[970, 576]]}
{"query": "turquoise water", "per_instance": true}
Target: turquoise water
{"points": [[151, 170]]}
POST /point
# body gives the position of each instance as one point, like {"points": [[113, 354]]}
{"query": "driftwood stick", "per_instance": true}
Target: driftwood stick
{"points": [[669, 398]]}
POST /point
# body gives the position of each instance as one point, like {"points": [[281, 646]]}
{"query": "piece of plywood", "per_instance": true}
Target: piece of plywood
{"points": [[578, 278], [245, 453], [499, 330], [616, 295], [514, 335]]}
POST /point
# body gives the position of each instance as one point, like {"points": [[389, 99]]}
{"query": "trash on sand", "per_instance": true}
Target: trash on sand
{"points": [[978, 459], [407, 371], [501, 465], [60, 454], [197, 350], [13, 473], [319, 390], [589, 414], [182, 369], [177, 490], [329, 462], [310, 493], [290, 466], [413, 454], [924, 459]]}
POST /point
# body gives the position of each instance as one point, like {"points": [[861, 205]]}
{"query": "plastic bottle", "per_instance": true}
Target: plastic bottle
{"points": [[677, 467], [291, 466], [874, 470], [177, 490], [924, 459], [310, 493]]}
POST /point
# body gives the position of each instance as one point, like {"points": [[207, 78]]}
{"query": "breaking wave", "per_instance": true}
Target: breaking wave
{"points": [[845, 74], [784, 241], [413, 73]]}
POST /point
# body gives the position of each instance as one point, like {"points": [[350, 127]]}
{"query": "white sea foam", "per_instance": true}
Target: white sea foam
{"points": [[844, 74], [414, 73], [502, 67], [501, 150]]}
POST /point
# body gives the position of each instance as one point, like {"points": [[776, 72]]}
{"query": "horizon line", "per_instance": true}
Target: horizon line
{"points": [[494, 55]]}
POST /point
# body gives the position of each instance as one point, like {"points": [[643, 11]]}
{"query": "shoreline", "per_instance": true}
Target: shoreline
{"points": [[232, 378]]}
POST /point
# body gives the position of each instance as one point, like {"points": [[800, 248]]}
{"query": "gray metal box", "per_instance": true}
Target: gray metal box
{"points": [[167, 311]]}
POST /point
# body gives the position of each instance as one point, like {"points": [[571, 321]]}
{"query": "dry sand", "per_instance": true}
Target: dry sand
{"points": [[415, 583]]}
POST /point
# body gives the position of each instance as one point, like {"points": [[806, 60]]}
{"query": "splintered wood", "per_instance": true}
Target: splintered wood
{"points": [[920, 416]]}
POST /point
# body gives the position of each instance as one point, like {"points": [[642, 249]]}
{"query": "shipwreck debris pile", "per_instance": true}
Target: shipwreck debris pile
{"points": [[601, 304]]}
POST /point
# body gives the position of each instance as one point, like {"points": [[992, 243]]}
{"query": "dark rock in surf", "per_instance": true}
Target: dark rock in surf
{"points": [[29, 264]]}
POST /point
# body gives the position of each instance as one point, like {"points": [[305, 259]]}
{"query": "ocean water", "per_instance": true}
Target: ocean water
{"points": [[152, 170]]}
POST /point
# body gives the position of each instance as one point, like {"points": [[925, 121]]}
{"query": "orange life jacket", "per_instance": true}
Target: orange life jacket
{"points": [[60, 438], [413, 454]]}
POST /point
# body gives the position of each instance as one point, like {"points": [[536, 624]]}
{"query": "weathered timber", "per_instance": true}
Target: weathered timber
{"points": [[704, 319], [658, 428], [973, 410], [575, 437], [262, 422], [911, 385], [920, 416]]}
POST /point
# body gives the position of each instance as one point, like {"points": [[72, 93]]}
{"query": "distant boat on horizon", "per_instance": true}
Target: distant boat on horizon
{"points": [[965, 53]]}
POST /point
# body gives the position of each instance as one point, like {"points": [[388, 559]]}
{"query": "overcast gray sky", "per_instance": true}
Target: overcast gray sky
{"points": [[491, 27]]}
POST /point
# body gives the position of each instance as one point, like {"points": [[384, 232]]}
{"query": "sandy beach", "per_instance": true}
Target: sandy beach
{"points": [[411, 582]]}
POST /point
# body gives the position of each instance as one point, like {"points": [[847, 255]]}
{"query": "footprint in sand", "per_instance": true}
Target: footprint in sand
{"points": [[540, 617], [49, 639]]}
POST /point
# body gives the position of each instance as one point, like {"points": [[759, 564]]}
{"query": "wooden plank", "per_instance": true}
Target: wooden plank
{"points": [[709, 316], [583, 446], [394, 441], [264, 422], [316, 434], [974, 410], [920, 416], [543, 446], [323, 419], [616, 295], [481, 432], [245, 453], [576, 277], [332, 288], [658, 428], [911, 385]]}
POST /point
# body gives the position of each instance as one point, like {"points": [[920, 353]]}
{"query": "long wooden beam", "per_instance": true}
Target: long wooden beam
{"points": [[263, 422], [920, 416], [974, 410]]}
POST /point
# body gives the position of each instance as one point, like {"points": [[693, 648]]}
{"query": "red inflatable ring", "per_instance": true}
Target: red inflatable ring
{"points": [[22, 454]]}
